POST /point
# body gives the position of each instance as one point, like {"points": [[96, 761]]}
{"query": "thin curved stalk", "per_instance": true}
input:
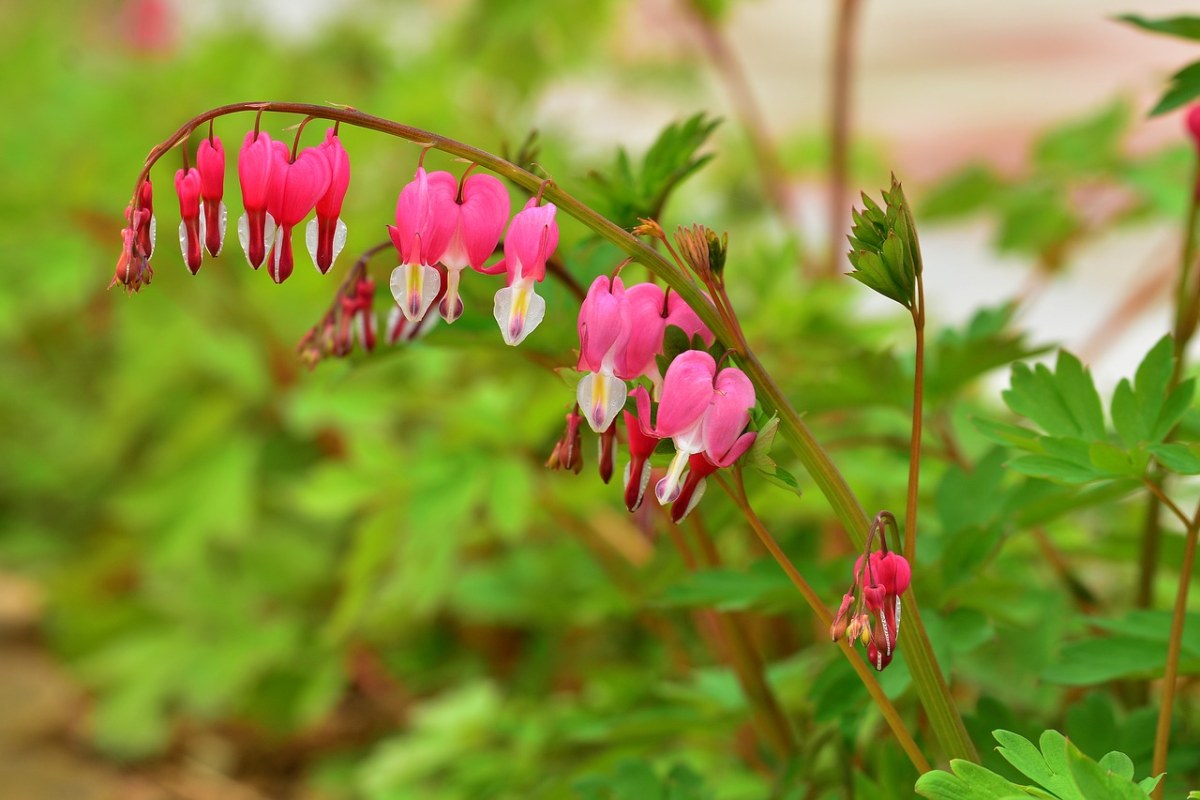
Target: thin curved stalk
{"points": [[737, 493]]}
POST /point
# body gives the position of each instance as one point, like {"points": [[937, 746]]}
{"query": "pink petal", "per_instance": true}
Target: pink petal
{"points": [[254, 170], [644, 322], [482, 216], [425, 209], [601, 324], [732, 399], [210, 160], [687, 392], [531, 239], [305, 181], [187, 186], [681, 315], [330, 204]]}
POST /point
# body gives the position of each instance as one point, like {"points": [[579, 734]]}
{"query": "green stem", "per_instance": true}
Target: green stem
{"points": [[737, 493], [927, 676], [1162, 732], [918, 415]]}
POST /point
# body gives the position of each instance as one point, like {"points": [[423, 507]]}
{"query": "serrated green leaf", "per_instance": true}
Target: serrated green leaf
{"points": [[1063, 402], [1024, 756]]}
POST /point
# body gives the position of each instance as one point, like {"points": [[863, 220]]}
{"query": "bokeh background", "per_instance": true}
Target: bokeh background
{"points": [[224, 576]]}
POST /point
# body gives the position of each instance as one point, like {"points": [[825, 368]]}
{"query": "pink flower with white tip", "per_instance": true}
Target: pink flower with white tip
{"points": [[724, 436], [296, 186], [603, 332], [191, 227], [481, 207], [325, 234], [531, 239], [880, 578], [210, 161], [701, 411], [256, 227], [425, 220]]}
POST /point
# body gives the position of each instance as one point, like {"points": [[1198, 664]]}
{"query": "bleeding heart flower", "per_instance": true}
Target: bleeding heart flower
{"points": [[191, 228], [682, 316], [687, 393], [531, 239], [481, 211], [325, 235], [602, 335], [210, 160], [296, 186], [256, 227], [425, 220]]}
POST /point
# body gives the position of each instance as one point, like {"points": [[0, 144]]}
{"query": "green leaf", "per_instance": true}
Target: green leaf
{"points": [[759, 454], [1064, 402], [763, 587], [963, 193], [1183, 88], [626, 193], [1085, 146], [968, 782], [1099, 783], [1055, 469], [1117, 763], [1178, 457], [1185, 27]]}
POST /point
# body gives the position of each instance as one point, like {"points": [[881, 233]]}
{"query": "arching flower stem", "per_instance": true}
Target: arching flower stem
{"points": [[927, 677]]}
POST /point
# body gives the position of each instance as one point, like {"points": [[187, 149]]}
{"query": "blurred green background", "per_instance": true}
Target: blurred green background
{"points": [[225, 576]]}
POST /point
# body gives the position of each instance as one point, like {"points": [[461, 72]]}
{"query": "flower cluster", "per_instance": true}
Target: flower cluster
{"points": [[443, 226], [701, 409], [880, 578]]}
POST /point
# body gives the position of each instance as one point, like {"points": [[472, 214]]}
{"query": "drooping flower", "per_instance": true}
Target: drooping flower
{"points": [[531, 239], [567, 453], [325, 234], [722, 433], [210, 160], [602, 334], [133, 268], [358, 315], [256, 227], [191, 227], [425, 220], [481, 211], [144, 226], [687, 393], [296, 186], [880, 578]]}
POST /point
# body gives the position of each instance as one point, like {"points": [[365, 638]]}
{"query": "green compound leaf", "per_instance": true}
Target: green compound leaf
{"points": [[1063, 403], [1058, 768]]}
